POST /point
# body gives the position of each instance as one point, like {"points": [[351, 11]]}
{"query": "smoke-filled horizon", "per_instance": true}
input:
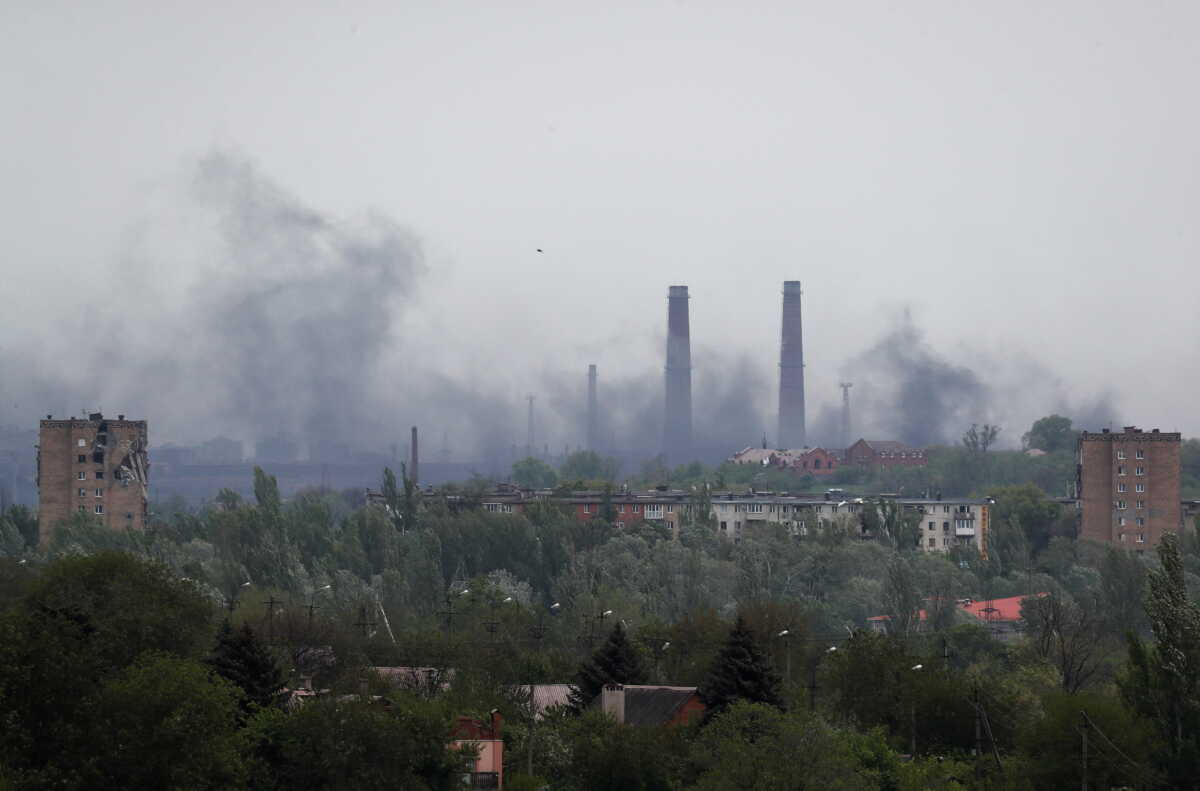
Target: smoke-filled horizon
{"points": [[246, 311]]}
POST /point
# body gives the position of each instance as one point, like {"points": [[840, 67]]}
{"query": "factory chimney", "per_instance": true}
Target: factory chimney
{"points": [[414, 471], [677, 425], [593, 417], [791, 371], [846, 413]]}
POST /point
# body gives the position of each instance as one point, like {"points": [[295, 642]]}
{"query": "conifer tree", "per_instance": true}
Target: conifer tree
{"points": [[240, 658], [741, 671], [616, 662]]}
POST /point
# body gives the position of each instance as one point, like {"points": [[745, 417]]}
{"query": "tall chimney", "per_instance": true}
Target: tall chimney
{"points": [[593, 418], [529, 449], [846, 439], [791, 371], [677, 424], [414, 471]]}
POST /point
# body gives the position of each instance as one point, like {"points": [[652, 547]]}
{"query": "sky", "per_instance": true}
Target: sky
{"points": [[256, 217]]}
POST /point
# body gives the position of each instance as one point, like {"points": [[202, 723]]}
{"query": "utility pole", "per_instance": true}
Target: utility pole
{"points": [[845, 412], [978, 737], [1083, 732], [529, 448]]}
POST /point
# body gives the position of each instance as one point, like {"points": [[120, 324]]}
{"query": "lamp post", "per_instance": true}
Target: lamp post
{"points": [[312, 604], [812, 677], [786, 634], [912, 719]]}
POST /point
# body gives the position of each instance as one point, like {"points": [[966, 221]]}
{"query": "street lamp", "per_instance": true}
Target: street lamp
{"points": [[787, 649], [912, 718]]}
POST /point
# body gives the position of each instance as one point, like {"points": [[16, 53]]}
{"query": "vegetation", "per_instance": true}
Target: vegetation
{"points": [[171, 658]]}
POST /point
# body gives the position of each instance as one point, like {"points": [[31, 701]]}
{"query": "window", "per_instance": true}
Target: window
{"points": [[1140, 521], [1122, 536], [587, 508], [1141, 487], [81, 476], [1140, 471], [1122, 488], [1141, 454], [1121, 522], [99, 508], [1141, 538], [933, 542], [82, 509], [725, 526], [99, 492], [670, 509], [1141, 503], [636, 508], [755, 508], [1120, 454], [932, 526], [83, 492], [82, 443], [1122, 505], [945, 527], [98, 457], [129, 514], [99, 475], [945, 509], [493, 507], [82, 458], [1120, 469]]}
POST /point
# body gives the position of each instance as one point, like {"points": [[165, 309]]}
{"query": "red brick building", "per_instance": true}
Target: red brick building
{"points": [[884, 453], [1128, 486], [802, 461], [93, 466]]}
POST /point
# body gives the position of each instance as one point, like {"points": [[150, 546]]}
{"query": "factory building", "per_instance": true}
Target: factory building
{"points": [[93, 466]]}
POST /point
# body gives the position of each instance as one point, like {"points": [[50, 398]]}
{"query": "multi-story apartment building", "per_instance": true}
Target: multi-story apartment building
{"points": [[94, 466], [1128, 486]]}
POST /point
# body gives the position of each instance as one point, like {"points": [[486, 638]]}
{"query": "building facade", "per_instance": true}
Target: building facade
{"points": [[885, 454], [1128, 486], [93, 466]]}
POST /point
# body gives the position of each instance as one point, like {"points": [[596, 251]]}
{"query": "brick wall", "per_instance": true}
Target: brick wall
{"points": [[1112, 469]]}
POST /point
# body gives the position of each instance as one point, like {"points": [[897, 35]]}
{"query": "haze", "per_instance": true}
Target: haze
{"points": [[245, 218]]}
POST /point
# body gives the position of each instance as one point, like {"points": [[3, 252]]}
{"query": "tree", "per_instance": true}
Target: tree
{"points": [[266, 492], [755, 747], [391, 498], [1163, 683], [25, 522], [741, 671], [901, 598], [245, 662], [587, 465], [164, 723], [85, 620], [1051, 434], [1068, 634], [978, 439], [533, 473], [616, 662], [340, 742]]}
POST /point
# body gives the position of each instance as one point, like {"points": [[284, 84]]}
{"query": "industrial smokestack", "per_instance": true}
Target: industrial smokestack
{"points": [[593, 418], [846, 413], [414, 470], [791, 371], [677, 425]]}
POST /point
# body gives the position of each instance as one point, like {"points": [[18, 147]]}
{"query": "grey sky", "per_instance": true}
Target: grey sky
{"points": [[1021, 179]]}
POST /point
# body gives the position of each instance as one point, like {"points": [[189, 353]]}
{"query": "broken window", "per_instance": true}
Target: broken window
{"points": [[82, 458], [99, 475], [98, 457]]}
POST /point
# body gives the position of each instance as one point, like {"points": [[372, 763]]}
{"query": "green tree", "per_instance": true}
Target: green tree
{"points": [[755, 747], [391, 498], [1162, 683], [164, 723], [337, 743], [1051, 434], [533, 473], [741, 671], [587, 465], [901, 598], [25, 522], [266, 492], [245, 662], [85, 620], [616, 662]]}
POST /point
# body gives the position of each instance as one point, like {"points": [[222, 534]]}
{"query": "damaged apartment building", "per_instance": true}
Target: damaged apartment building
{"points": [[93, 466]]}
